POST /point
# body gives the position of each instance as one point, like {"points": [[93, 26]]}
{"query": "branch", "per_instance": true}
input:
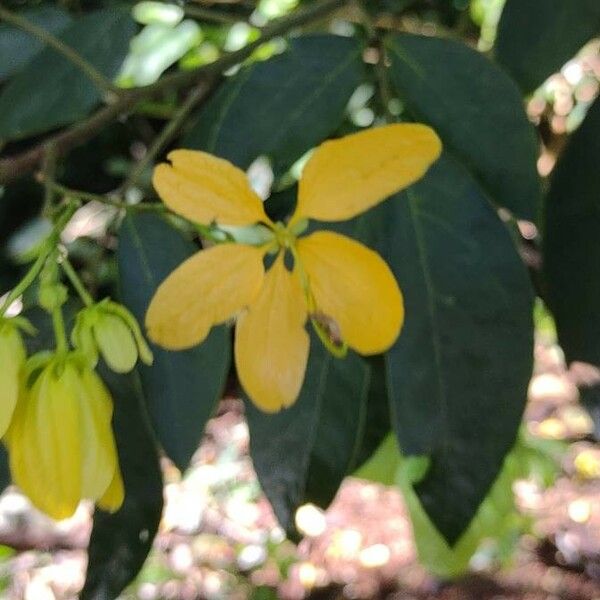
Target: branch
{"points": [[14, 167], [380, 67], [195, 97], [101, 82], [210, 15]]}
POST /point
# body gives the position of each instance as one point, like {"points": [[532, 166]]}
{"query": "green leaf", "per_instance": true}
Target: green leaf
{"points": [[17, 48], [572, 243], [51, 91], [458, 374], [535, 38], [181, 388], [120, 542], [302, 453], [284, 106], [495, 519], [476, 110], [384, 463]]}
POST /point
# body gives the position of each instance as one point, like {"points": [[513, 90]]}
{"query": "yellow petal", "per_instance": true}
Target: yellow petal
{"points": [[45, 457], [27, 456], [271, 344], [12, 356], [59, 438], [205, 189], [99, 451], [207, 289], [346, 177], [353, 285], [115, 493]]}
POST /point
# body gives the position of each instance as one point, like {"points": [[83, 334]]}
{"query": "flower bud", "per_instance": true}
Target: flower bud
{"points": [[61, 444], [110, 330], [12, 358]]}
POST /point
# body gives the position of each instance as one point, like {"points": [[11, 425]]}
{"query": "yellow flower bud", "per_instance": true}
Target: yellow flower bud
{"points": [[12, 357], [61, 444], [110, 330]]}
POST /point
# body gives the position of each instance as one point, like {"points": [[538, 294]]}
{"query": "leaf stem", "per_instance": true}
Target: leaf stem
{"points": [[99, 80], [60, 334], [48, 247], [27, 280], [76, 282]]}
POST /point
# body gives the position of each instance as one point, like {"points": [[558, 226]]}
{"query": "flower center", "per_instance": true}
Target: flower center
{"points": [[284, 237]]}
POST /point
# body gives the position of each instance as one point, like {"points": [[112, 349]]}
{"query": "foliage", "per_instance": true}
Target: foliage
{"points": [[94, 97]]}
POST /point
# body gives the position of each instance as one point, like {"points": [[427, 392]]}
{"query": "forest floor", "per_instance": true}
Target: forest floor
{"points": [[219, 540]]}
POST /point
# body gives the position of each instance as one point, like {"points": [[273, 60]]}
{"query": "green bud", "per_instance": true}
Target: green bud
{"points": [[116, 343], [52, 294], [254, 235], [109, 330]]}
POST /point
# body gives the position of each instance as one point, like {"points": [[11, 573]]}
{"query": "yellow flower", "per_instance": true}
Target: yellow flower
{"points": [[60, 442], [109, 329], [346, 289], [12, 358]]}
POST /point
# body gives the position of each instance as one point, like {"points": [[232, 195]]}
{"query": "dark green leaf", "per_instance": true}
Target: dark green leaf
{"points": [[17, 47], [121, 541], [377, 419], [181, 388], [284, 106], [572, 243], [535, 38], [51, 91], [302, 454], [477, 111], [458, 375]]}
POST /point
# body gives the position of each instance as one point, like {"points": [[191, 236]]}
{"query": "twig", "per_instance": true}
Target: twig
{"points": [[213, 16], [15, 166], [99, 80], [198, 93], [113, 200], [383, 83], [49, 173], [380, 67]]}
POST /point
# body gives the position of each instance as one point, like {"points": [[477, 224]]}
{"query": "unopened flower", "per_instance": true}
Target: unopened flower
{"points": [[60, 441], [12, 358], [110, 330], [346, 289]]}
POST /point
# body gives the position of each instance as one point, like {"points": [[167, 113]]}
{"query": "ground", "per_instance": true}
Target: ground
{"points": [[219, 539]]}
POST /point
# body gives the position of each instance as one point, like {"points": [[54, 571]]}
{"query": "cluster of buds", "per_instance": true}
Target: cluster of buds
{"points": [[55, 411], [60, 440]]}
